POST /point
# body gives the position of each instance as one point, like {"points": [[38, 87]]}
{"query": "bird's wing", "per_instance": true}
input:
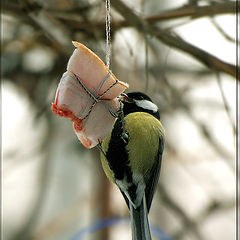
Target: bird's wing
{"points": [[153, 177]]}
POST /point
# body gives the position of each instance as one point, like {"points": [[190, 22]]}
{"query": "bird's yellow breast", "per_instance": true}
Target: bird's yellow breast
{"points": [[144, 132]]}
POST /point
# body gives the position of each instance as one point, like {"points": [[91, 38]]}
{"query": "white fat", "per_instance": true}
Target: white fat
{"points": [[145, 104]]}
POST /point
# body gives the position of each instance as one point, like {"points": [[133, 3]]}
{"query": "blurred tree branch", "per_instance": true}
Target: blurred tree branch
{"points": [[193, 12], [62, 34], [53, 28], [180, 102], [225, 103], [224, 34], [188, 224], [25, 233], [173, 40]]}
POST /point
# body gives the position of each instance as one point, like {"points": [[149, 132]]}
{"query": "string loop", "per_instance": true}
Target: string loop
{"points": [[95, 94]]}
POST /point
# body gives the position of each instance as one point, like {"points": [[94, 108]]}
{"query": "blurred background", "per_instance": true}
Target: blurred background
{"points": [[181, 53]]}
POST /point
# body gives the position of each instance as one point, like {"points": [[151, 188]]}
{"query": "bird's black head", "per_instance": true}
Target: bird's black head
{"points": [[138, 102]]}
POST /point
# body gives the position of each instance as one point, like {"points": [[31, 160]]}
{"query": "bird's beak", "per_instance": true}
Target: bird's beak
{"points": [[125, 98]]}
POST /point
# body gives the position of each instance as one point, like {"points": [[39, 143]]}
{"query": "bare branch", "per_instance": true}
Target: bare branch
{"points": [[171, 39], [25, 232], [188, 223], [225, 35], [226, 106], [75, 15], [59, 32], [51, 26], [194, 12]]}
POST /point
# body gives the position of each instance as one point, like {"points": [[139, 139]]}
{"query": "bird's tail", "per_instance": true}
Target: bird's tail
{"points": [[139, 222]]}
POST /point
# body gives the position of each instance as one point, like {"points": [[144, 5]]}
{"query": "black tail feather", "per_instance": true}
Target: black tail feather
{"points": [[139, 222]]}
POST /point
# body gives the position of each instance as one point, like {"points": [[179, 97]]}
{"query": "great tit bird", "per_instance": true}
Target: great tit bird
{"points": [[131, 157]]}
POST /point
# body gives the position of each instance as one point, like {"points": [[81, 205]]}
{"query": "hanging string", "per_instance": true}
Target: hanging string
{"points": [[108, 40], [146, 62]]}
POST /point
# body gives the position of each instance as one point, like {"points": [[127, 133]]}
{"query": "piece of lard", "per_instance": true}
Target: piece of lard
{"points": [[87, 78]]}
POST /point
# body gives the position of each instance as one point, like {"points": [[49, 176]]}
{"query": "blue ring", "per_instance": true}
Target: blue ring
{"points": [[108, 222]]}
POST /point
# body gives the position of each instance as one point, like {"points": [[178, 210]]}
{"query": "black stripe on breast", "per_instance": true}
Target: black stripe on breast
{"points": [[117, 155]]}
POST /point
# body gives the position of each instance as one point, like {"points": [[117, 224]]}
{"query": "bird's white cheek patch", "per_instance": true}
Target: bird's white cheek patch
{"points": [[145, 104]]}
